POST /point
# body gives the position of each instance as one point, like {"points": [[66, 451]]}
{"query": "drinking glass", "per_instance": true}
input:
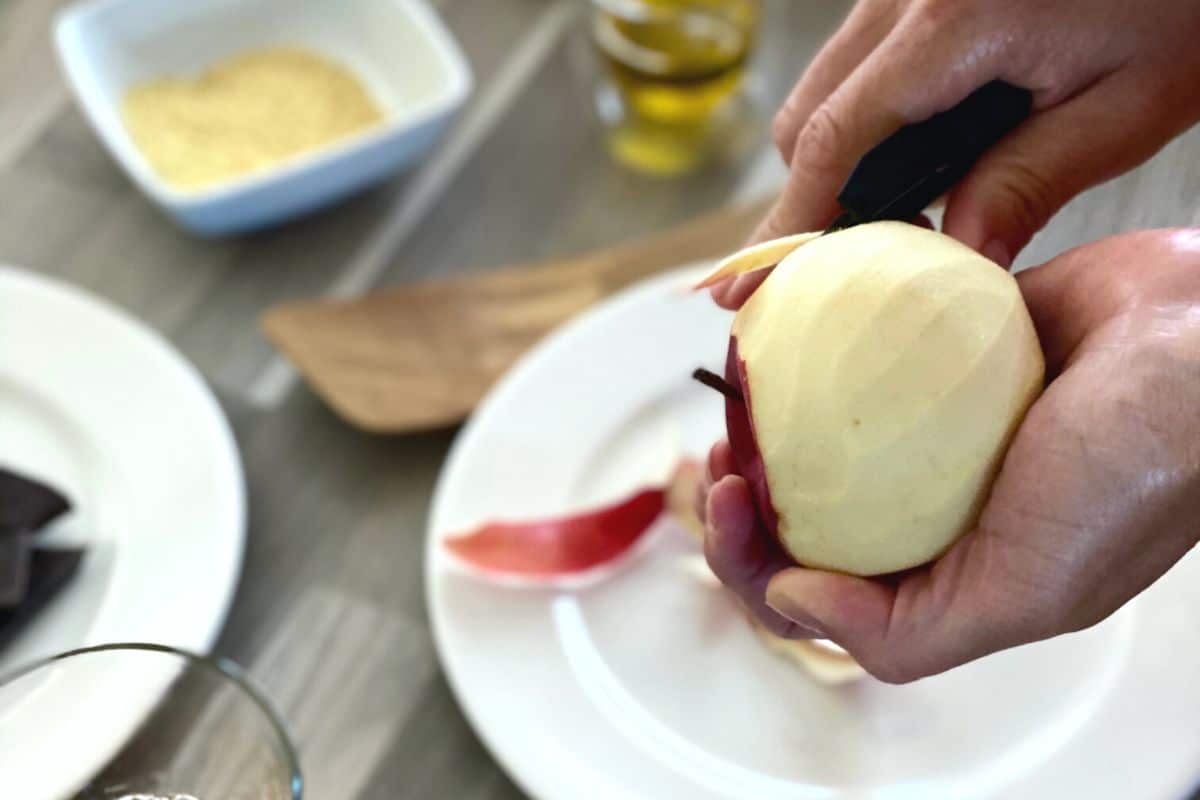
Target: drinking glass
{"points": [[141, 722], [672, 90]]}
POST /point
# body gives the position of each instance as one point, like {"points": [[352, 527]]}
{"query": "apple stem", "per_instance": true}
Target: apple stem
{"points": [[715, 381]]}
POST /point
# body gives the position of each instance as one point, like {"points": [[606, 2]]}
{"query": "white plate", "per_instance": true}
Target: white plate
{"points": [[651, 686], [98, 405]]}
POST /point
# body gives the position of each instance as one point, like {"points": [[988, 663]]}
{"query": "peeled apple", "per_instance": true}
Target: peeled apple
{"points": [[883, 371]]}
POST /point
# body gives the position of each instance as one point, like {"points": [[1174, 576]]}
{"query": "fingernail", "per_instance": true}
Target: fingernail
{"points": [[997, 251], [799, 618]]}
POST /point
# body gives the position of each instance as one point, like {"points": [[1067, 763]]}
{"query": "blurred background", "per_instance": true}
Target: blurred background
{"points": [[583, 125], [524, 174]]}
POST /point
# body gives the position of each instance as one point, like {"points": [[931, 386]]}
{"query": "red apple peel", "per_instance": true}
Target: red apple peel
{"points": [[740, 428], [548, 551]]}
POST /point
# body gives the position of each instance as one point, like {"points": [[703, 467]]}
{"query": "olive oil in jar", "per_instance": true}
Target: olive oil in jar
{"points": [[677, 67]]}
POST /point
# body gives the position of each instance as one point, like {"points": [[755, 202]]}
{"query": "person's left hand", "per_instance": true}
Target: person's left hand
{"points": [[1098, 495]]}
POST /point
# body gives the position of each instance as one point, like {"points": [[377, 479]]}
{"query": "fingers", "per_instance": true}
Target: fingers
{"points": [[742, 554], [927, 622], [1017, 186], [719, 464], [732, 293], [851, 611], [918, 70], [720, 461], [863, 29]]}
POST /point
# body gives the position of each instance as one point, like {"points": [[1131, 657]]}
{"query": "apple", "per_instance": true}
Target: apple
{"points": [[876, 379]]}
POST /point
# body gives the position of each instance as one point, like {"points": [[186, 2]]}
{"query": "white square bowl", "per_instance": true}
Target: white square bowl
{"points": [[398, 48]]}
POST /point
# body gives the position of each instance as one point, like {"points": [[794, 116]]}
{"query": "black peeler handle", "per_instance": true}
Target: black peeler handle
{"points": [[914, 166]]}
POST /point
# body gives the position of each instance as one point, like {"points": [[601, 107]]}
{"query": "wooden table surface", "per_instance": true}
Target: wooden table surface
{"points": [[329, 615]]}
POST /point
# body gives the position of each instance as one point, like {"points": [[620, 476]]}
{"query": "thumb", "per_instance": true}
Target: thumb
{"points": [[1012, 192], [915, 624]]}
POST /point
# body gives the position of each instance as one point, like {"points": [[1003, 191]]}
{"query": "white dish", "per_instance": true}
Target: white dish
{"points": [[651, 685], [96, 404], [400, 48]]}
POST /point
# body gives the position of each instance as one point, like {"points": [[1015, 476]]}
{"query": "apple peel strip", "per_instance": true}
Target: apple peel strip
{"points": [[574, 549], [756, 257]]}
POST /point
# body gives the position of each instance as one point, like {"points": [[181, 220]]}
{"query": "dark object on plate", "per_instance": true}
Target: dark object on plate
{"points": [[27, 505], [14, 569], [29, 576], [50, 570], [917, 164]]}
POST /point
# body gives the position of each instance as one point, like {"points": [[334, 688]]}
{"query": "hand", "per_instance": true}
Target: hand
{"points": [[1098, 496], [1113, 81]]}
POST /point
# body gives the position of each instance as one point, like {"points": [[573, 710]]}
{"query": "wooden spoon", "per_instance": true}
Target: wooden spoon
{"points": [[422, 356]]}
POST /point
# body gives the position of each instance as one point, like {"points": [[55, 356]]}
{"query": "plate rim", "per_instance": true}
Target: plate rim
{"points": [[224, 452]]}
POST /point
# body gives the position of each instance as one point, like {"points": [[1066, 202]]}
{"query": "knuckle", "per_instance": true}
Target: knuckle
{"points": [[1029, 196], [783, 133], [937, 13], [772, 227], [818, 146]]}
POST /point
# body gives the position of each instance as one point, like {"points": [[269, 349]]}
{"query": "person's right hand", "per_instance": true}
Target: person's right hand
{"points": [[1098, 495], [1113, 81]]}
